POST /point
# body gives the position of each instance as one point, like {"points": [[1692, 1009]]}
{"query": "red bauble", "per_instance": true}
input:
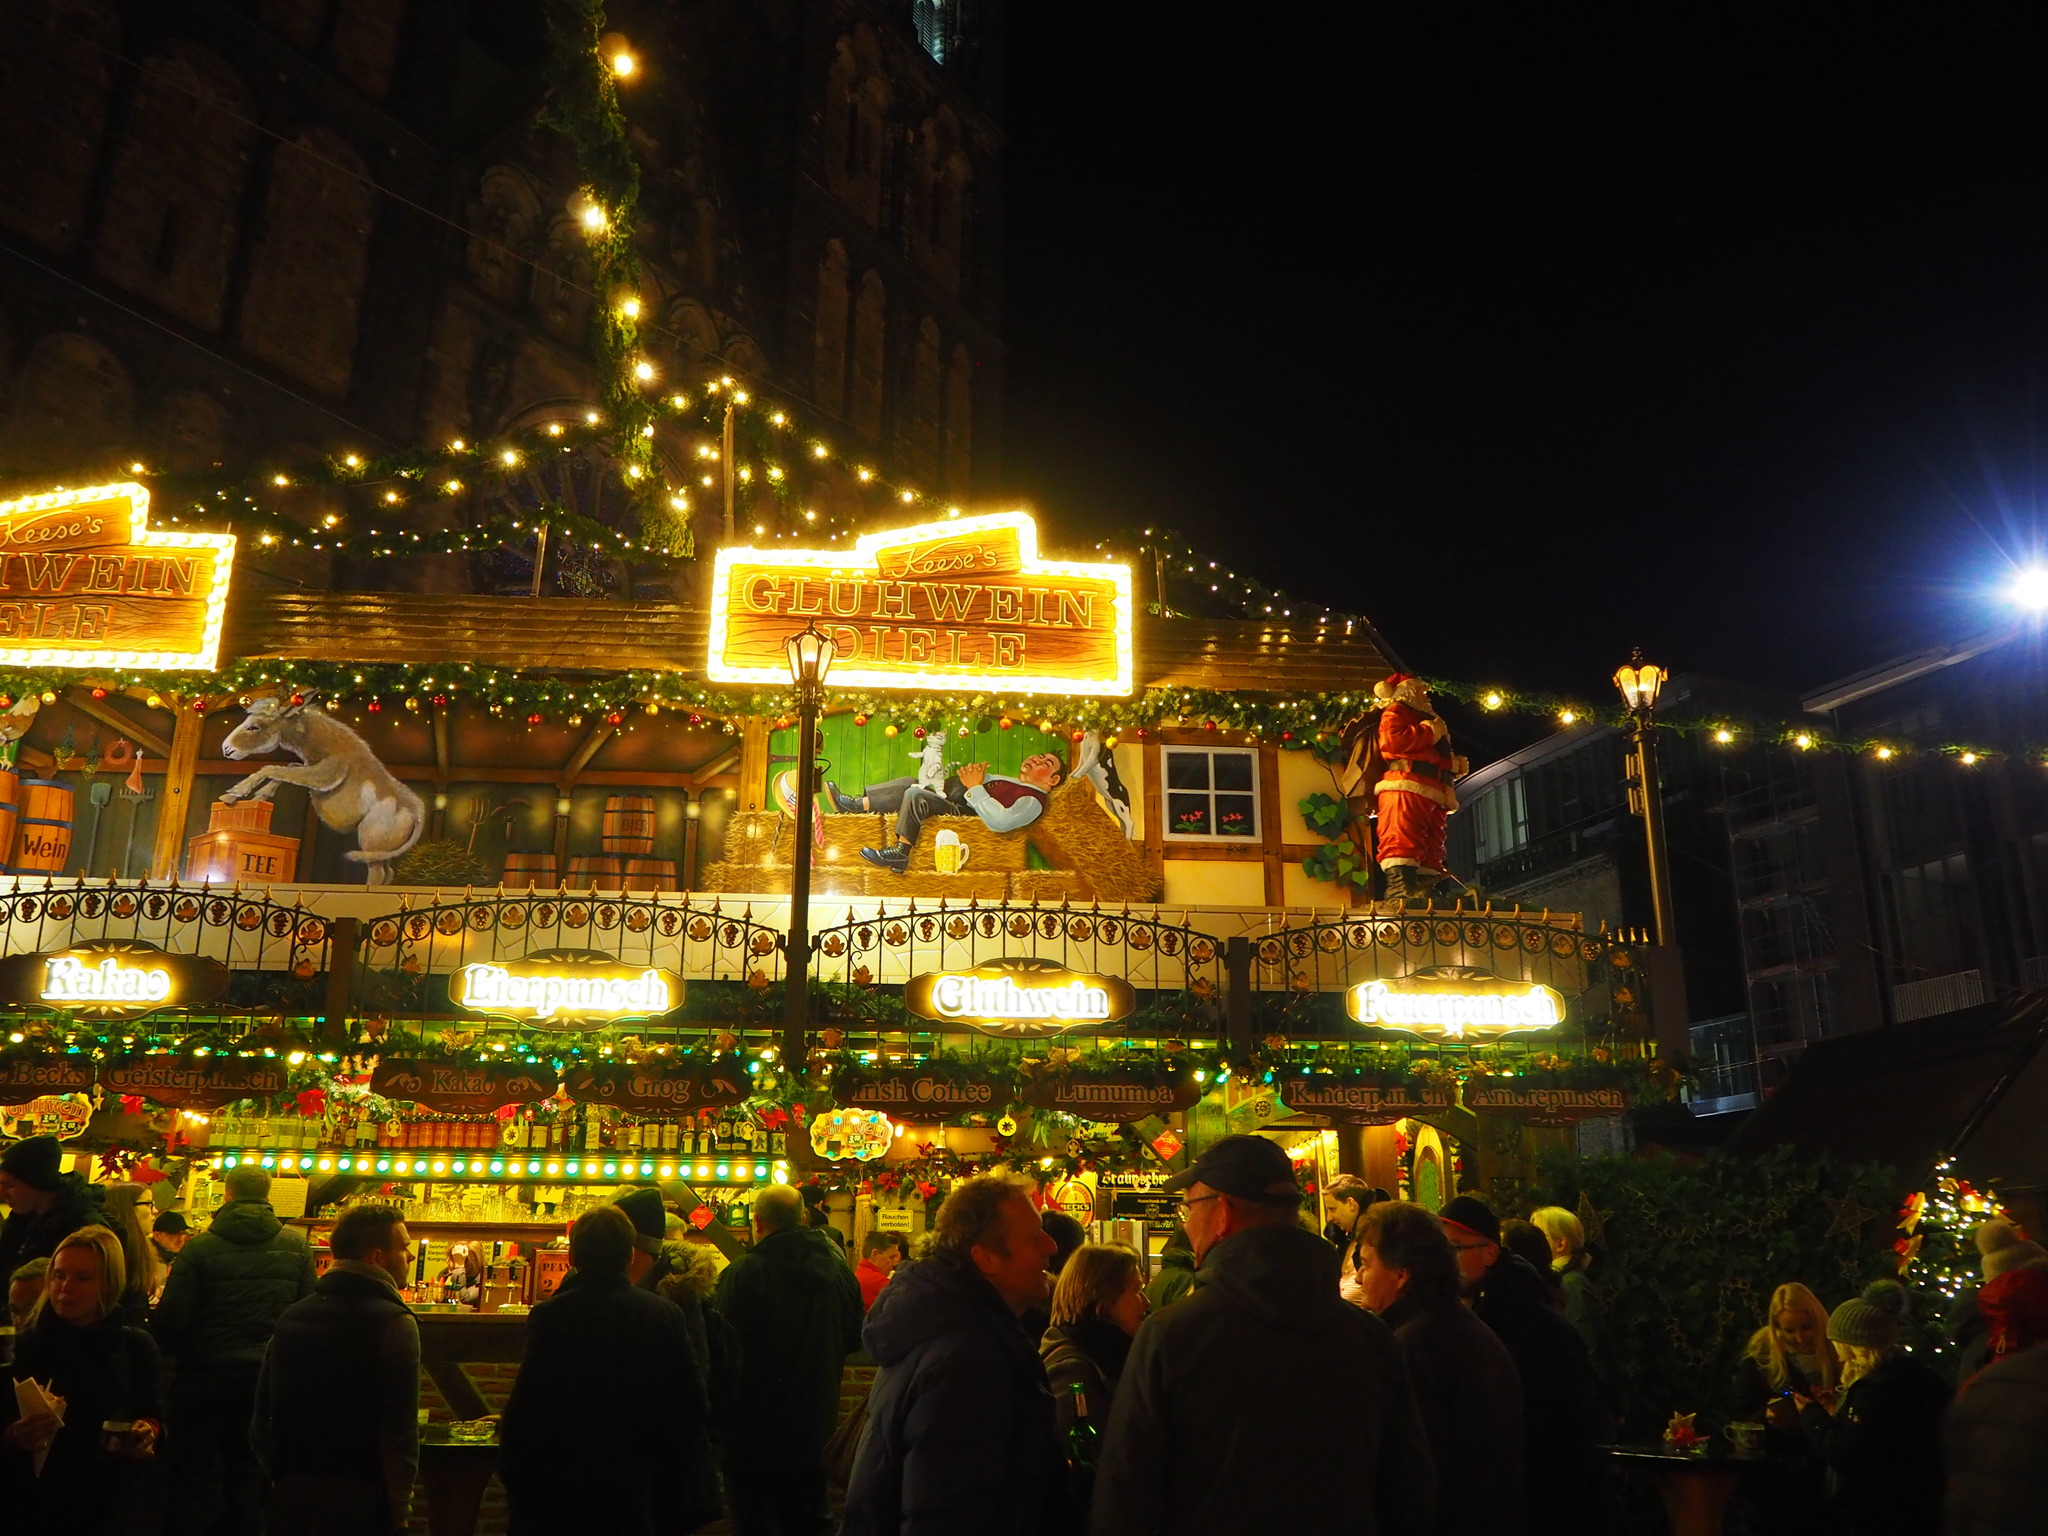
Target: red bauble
{"points": [[1287, 735], [696, 719], [616, 717], [298, 698], [860, 719], [1208, 725], [199, 705], [376, 706], [533, 719], [918, 733], [440, 701], [99, 693]]}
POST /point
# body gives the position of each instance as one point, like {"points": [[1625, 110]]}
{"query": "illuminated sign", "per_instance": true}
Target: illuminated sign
{"points": [[1452, 1003], [652, 1090], [86, 582], [916, 1094], [1023, 997], [1362, 1102], [62, 1116], [861, 1134], [111, 979], [566, 985], [929, 607]]}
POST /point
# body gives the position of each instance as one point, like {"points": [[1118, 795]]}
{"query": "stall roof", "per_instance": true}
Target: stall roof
{"points": [[1972, 1083], [569, 634]]}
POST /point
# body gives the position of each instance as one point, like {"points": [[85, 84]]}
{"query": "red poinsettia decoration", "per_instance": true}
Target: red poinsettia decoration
{"points": [[774, 1119], [312, 1103], [926, 1191], [132, 1104]]}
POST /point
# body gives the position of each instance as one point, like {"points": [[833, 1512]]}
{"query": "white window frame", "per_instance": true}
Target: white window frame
{"points": [[1167, 792]]}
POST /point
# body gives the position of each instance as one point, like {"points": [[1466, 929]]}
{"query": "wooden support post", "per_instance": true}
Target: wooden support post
{"points": [[342, 938], [1237, 1007], [753, 763], [174, 805]]}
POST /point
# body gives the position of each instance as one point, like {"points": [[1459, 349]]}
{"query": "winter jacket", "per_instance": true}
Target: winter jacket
{"points": [[872, 1279], [339, 1395], [1564, 1412], [1176, 1278], [795, 1307], [102, 1371], [960, 1436], [1882, 1445], [1996, 1446], [229, 1287], [1211, 1404], [1089, 1353], [1585, 1308], [24, 1236], [1470, 1398], [598, 1357]]}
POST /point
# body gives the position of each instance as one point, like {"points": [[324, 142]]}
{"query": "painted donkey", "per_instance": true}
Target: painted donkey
{"points": [[351, 790]]}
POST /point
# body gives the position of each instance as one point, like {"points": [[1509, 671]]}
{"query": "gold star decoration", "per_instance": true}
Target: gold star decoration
{"points": [[1592, 1218], [1851, 1216]]}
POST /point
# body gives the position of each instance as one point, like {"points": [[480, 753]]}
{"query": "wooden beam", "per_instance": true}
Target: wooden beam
{"points": [[174, 805], [580, 758], [1269, 826], [82, 700], [753, 762]]}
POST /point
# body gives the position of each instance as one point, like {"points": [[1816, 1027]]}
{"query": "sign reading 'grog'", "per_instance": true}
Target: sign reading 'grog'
{"points": [[926, 607]]}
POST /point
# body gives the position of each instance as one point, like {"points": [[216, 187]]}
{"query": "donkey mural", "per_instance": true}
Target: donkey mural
{"points": [[351, 790]]}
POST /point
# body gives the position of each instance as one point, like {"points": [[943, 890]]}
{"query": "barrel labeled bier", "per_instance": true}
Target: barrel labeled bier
{"points": [[10, 806], [42, 831], [591, 872], [526, 871], [629, 824], [651, 875]]}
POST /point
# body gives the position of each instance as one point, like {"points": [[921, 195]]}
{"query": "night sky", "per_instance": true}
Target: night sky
{"points": [[1534, 344]]}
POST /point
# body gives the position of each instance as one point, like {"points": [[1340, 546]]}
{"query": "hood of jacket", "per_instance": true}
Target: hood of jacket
{"points": [[801, 1257], [1177, 1258], [246, 1222], [1285, 1277], [927, 1298]]}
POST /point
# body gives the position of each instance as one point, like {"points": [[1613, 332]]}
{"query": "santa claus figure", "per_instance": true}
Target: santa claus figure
{"points": [[1413, 792]]}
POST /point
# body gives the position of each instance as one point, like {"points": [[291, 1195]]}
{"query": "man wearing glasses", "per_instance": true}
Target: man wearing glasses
{"points": [[1203, 1435]]}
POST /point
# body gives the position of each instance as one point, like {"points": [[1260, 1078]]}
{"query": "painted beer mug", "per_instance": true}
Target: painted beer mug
{"points": [[949, 854]]}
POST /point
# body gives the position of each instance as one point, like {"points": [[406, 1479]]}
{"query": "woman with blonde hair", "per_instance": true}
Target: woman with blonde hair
{"points": [[1585, 1306], [1096, 1308], [1790, 1354], [77, 1463]]}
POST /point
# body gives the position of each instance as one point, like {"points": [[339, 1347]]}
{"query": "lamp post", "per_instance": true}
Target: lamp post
{"points": [[810, 659], [1640, 682]]}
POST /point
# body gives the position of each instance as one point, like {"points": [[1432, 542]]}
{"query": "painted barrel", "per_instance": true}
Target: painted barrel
{"points": [[629, 824], [651, 875], [524, 871], [593, 872], [10, 806], [42, 832]]}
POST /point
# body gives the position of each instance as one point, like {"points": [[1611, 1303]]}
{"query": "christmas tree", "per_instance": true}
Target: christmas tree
{"points": [[1937, 1248]]}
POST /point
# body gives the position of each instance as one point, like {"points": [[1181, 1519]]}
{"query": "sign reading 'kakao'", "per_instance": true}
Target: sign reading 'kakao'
{"points": [[926, 607], [111, 979], [86, 582]]}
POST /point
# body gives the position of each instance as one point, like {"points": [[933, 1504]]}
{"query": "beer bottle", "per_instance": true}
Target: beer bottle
{"points": [[1083, 1441]]}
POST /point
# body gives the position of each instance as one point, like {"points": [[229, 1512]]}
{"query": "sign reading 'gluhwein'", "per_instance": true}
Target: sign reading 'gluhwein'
{"points": [[926, 607], [86, 582], [1022, 997]]}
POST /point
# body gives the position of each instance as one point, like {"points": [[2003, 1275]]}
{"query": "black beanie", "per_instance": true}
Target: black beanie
{"points": [[643, 1206], [1471, 1213], [36, 1162]]}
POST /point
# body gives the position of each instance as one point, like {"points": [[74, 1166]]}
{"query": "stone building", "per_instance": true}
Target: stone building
{"points": [[242, 232]]}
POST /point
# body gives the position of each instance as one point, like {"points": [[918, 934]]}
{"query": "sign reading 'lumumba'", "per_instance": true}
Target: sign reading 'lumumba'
{"points": [[1021, 997]]}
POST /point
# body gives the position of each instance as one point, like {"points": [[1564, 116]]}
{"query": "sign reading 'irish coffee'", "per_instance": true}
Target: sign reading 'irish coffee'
{"points": [[86, 582], [926, 607], [111, 979], [457, 1088], [1363, 1103], [1024, 997], [916, 1095], [1110, 1097], [195, 1082]]}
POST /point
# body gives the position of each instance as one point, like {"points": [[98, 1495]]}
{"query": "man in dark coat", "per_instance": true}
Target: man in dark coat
{"points": [[1997, 1448], [794, 1306], [1204, 1438], [337, 1403], [607, 1390], [960, 1438], [43, 1204], [1466, 1386], [222, 1300], [1564, 1411]]}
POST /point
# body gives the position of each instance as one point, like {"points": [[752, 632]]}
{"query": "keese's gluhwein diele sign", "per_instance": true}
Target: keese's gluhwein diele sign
{"points": [[929, 607], [86, 582]]}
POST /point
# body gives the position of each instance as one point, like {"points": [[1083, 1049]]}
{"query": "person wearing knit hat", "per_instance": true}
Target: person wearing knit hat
{"points": [[2002, 1247], [648, 1263], [44, 1203], [1881, 1440]]}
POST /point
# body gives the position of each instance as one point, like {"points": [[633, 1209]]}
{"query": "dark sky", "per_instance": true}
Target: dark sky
{"points": [[1535, 343]]}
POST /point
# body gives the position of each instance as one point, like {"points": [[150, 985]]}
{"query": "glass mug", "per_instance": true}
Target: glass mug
{"points": [[949, 854]]}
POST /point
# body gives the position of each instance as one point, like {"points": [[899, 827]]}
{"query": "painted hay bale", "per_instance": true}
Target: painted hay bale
{"points": [[1050, 885], [725, 875], [1076, 833], [988, 886]]}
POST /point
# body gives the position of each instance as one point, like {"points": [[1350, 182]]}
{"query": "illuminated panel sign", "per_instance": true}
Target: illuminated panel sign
{"points": [[1020, 998], [86, 582], [1467, 1007], [116, 979], [929, 607], [561, 988]]}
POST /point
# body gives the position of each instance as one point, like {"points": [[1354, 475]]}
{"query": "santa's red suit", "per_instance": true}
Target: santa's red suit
{"points": [[1413, 796]]}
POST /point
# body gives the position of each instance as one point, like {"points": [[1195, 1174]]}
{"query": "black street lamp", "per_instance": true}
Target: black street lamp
{"points": [[810, 659], [1640, 682]]}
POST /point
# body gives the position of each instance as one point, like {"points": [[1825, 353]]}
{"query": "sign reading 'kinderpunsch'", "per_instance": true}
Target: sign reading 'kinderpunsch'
{"points": [[1363, 1103]]}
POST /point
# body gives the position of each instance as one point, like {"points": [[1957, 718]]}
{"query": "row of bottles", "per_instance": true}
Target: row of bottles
{"points": [[268, 1133], [579, 1129]]}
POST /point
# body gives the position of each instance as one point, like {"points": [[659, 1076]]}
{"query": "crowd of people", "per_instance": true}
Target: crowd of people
{"points": [[1398, 1370]]}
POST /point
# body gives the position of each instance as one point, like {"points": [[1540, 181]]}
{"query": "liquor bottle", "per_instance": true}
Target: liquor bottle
{"points": [[668, 1136], [633, 1136], [1083, 1441]]}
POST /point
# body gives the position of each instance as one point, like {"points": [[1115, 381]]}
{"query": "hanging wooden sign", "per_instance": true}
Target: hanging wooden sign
{"points": [[195, 1082], [681, 1090], [111, 979], [917, 1094], [32, 1077], [461, 1087], [86, 582], [1353, 1102], [1023, 998], [929, 607], [1544, 1105], [1111, 1096]]}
